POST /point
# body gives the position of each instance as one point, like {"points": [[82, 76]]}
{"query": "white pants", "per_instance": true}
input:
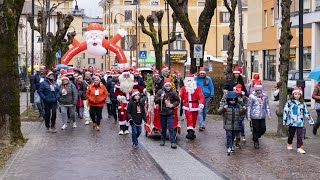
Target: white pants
{"points": [[86, 114]]}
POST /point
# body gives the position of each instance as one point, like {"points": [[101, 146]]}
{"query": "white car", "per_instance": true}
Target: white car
{"points": [[293, 76]]}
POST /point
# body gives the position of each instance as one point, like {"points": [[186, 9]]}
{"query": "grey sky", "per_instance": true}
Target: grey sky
{"points": [[91, 7]]}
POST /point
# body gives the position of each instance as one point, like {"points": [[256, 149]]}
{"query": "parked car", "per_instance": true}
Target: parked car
{"points": [[293, 76]]}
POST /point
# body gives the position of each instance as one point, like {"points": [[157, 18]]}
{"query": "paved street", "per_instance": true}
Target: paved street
{"points": [[83, 153]]}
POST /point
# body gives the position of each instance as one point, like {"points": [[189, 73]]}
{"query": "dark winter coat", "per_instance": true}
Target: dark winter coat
{"points": [[140, 81], [316, 93], [158, 85], [37, 79], [48, 96], [71, 97], [82, 90], [231, 116], [169, 95], [132, 112], [110, 89], [230, 83]]}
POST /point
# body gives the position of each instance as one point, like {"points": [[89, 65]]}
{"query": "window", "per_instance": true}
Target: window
{"points": [[224, 17], [130, 40], [201, 3], [128, 15], [178, 45], [272, 17], [265, 18], [306, 6], [154, 16], [155, 2], [91, 60], [225, 42], [128, 2]]}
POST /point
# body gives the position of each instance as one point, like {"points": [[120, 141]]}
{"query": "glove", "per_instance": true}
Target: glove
{"points": [[119, 98], [130, 122], [201, 106], [144, 91]]}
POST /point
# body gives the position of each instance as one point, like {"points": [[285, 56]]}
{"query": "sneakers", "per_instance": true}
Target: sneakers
{"points": [[98, 128], [237, 146], [229, 151], [74, 124], [53, 130], [301, 151], [87, 122], [174, 146], [289, 146], [162, 143], [232, 149], [201, 129], [256, 145], [243, 139], [121, 132], [135, 146], [49, 130], [64, 126], [126, 132]]}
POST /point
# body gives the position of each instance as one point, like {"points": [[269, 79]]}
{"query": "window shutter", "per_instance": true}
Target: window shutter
{"points": [[134, 42], [221, 17], [123, 41], [183, 44], [225, 42], [171, 45]]}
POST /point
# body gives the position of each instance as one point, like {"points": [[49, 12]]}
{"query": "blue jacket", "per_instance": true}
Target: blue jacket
{"points": [[37, 79], [110, 89], [48, 96], [294, 113], [206, 86]]}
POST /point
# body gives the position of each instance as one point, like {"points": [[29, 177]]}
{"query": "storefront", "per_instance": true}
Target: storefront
{"points": [[307, 58], [293, 59], [269, 65]]}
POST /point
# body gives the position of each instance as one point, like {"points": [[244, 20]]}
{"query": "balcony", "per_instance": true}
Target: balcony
{"points": [[72, 11], [317, 3]]}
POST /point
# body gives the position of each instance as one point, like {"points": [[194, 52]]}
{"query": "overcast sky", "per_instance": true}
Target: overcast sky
{"points": [[91, 7]]}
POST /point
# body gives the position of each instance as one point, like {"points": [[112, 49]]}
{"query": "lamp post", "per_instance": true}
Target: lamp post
{"points": [[32, 55], [136, 2], [109, 5], [168, 23], [301, 82]]}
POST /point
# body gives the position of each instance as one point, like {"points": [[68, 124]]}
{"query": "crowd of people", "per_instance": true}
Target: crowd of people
{"points": [[83, 93]]}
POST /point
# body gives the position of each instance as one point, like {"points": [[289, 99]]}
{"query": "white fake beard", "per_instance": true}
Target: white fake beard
{"points": [[190, 86], [97, 50], [126, 85]]}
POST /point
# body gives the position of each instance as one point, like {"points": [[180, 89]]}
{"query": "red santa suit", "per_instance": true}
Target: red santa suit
{"points": [[193, 100], [123, 94]]}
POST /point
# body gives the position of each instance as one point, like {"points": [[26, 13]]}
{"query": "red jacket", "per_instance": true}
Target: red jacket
{"points": [[96, 100], [191, 101]]}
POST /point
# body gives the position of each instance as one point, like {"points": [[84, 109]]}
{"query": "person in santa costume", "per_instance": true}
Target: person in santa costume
{"points": [[193, 101], [123, 90]]}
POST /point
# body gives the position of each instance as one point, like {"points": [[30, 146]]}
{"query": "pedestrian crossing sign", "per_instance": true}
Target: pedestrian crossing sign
{"points": [[142, 54]]}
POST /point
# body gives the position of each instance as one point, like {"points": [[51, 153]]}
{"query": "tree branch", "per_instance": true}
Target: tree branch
{"points": [[53, 8], [172, 39], [205, 20], [226, 3], [141, 19], [150, 21]]}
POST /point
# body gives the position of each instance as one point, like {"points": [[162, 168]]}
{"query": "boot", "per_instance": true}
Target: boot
{"points": [[189, 135], [193, 135], [314, 131]]}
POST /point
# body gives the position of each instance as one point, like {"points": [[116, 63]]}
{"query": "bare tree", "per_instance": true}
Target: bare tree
{"points": [[231, 36], [284, 41], [53, 43], [10, 11], [180, 8], [156, 36]]}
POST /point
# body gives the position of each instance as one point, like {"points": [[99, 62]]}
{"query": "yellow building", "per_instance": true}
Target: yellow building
{"points": [[124, 12]]}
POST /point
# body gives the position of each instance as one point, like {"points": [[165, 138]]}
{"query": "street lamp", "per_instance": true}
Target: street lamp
{"points": [[76, 7], [115, 18], [32, 55], [301, 82], [168, 19]]}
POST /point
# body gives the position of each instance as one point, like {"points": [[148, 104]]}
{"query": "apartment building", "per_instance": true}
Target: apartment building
{"points": [[122, 14]]}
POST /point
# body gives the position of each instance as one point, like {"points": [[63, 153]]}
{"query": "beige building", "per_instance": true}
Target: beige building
{"points": [[124, 13]]}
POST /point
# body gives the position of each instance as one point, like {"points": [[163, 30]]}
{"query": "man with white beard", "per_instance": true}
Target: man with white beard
{"points": [[123, 91], [193, 100]]}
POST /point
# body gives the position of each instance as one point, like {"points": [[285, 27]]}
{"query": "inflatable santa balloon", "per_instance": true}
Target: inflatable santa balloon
{"points": [[97, 45]]}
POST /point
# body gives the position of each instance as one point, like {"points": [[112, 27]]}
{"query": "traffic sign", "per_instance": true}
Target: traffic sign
{"points": [[198, 62], [58, 54], [142, 54], [198, 51]]}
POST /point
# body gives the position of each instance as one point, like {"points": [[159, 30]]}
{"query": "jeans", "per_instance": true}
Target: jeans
{"points": [[317, 124], [64, 112], [96, 114], [114, 109], [203, 113], [50, 115], [136, 131], [109, 108], [80, 111], [86, 113], [167, 122], [258, 129], [230, 134], [39, 103], [242, 125], [292, 131]]}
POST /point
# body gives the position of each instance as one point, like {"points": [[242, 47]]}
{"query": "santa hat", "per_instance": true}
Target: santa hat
{"points": [[256, 76], [202, 70], [176, 73], [164, 68], [64, 76], [258, 87], [76, 75], [155, 72], [189, 77], [256, 81], [237, 70], [125, 71], [42, 66], [85, 68], [70, 72], [135, 71], [134, 92], [80, 76], [96, 28], [97, 71], [48, 73], [167, 81], [297, 90], [238, 89], [54, 67], [108, 71]]}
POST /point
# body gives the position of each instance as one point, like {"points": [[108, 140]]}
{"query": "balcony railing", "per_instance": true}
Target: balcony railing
{"points": [[72, 11], [317, 5]]}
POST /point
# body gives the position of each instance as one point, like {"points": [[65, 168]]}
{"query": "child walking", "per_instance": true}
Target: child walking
{"points": [[294, 112], [136, 113], [231, 111]]}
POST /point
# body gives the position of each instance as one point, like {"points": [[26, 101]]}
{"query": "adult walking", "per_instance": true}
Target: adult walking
{"points": [[49, 93], [110, 88], [235, 80], [207, 88], [38, 79], [68, 101], [96, 96], [167, 99], [316, 97]]}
